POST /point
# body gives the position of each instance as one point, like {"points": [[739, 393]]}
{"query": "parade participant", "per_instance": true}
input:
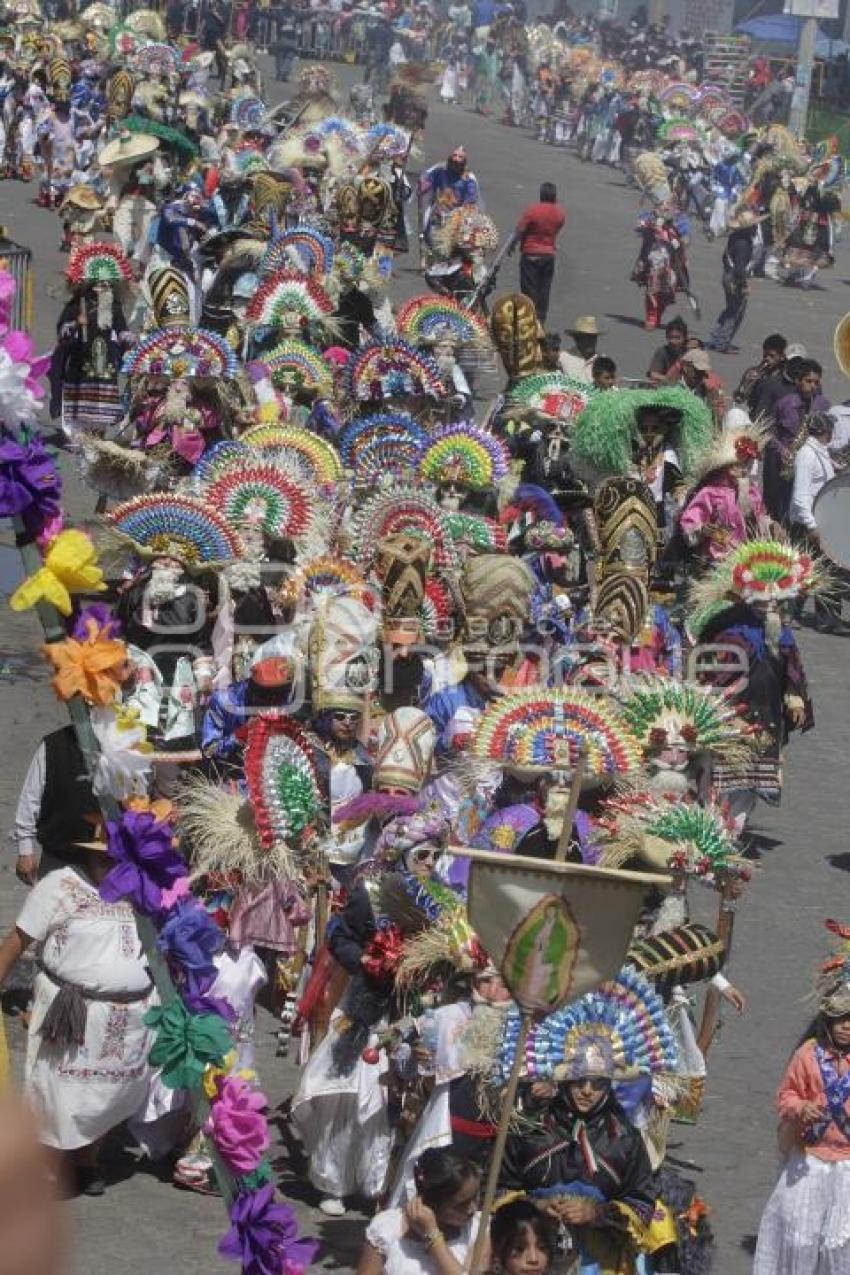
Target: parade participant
{"points": [[92, 991], [813, 468], [737, 607], [802, 1229], [737, 256], [697, 374], [56, 807], [661, 268], [270, 680], [536, 233], [675, 340], [773, 349], [789, 430], [725, 507], [446, 187], [434, 1233], [577, 362]]}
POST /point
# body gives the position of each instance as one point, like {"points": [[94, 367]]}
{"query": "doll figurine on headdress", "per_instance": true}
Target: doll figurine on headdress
{"points": [[174, 421]]}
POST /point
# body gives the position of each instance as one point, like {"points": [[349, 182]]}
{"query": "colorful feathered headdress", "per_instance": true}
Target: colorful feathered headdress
{"points": [[607, 431], [551, 394], [98, 263], [182, 352], [768, 571], [833, 979], [296, 449], [303, 249], [534, 732], [380, 444], [163, 525], [426, 319], [392, 369], [466, 454], [620, 1030], [400, 509], [666, 833], [265, 495]]}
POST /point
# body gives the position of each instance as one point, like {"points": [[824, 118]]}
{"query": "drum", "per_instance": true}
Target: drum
{"points": [[832, 515]]}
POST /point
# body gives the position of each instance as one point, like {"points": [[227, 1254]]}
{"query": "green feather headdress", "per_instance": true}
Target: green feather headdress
{"points": [[604, 432], [697, 840], [167, 135], [756, 571], [662, 712]]}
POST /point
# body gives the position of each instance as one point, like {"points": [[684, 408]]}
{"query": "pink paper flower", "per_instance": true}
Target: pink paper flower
{"points": [[238, 1126]]}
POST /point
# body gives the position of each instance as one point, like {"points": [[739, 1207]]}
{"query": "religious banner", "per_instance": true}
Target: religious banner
{"points": [[555, 930]]}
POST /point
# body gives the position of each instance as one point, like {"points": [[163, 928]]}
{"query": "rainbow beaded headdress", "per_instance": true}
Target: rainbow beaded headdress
{"points": [[173, 526], [182, 352], [265, 495], [536, 731], [294, 365], [303, 249], [380, 444], [619, 1031], [98, 263], [466, 454], [297, 449], [426, 320], [392, 369], [400, 509]]}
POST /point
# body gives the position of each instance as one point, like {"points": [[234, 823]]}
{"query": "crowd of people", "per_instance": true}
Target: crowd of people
{"points": [[360, 634]]}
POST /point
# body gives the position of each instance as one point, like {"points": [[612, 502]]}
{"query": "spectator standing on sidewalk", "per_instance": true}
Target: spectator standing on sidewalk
{"points": [[536, 233]]}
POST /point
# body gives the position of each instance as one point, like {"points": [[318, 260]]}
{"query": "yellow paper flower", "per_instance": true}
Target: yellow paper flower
{"points": [[161, 808], [70, 567]]}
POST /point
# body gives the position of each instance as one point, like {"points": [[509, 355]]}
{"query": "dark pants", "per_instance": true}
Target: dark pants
{"points": [[776, 486], [535, 281], [732, 316]]}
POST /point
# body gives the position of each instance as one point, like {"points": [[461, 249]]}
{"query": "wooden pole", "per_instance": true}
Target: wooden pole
{"points": [[508, 1104], [572, 806], [725, 926]]}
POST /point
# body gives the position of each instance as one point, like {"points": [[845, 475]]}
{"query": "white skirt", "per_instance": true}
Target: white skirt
{"points": [[805, 1227], [343, 1123]]}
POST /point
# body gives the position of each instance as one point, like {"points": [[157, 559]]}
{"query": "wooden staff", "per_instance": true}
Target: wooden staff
{"points": [[508, 1104], [725, 926], [572, 806]]}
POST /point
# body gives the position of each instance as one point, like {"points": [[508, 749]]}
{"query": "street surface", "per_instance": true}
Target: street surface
{"points": [[144, 1225]]}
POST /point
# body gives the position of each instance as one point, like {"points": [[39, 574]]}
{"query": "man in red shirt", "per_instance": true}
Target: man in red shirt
{"points": [[536, 232]]}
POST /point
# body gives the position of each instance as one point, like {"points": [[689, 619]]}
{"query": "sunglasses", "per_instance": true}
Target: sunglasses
{"points": [[345, 717], [598, 1084]]}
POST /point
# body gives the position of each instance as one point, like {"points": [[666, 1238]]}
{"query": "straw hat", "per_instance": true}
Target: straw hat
{"points": [[128, 148], [585, 325]]}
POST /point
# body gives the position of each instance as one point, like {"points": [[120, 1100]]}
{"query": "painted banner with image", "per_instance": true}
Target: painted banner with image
{"points": [[555, 930]]}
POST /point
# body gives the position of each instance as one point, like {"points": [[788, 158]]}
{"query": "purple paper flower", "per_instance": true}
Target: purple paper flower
{"points": [[30, 487], [263, 1236], [146, 862], [203, 1003], [100, 615], [191, 940]]}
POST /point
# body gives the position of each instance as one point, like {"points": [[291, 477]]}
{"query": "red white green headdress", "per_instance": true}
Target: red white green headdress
{"points": [[664, 713], [98, 263], [769, 571], [536, 731], [551, 394], [284, 294], [681, 836]]}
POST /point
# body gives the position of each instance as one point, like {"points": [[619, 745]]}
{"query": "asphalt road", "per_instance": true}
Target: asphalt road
{"points": [[143, 1224]]}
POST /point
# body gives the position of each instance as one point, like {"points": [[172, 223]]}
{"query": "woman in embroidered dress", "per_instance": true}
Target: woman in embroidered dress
{"points": [[805, 1227], [86, 1066]]}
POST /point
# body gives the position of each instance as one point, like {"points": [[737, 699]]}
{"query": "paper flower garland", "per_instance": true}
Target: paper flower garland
{"points": [[263, 1236], [238, 1126], [30, 487], [186, 1043], [146, 862]]}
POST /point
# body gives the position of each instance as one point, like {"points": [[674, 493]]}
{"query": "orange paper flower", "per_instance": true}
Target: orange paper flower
{"points": [[93, 669]]}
